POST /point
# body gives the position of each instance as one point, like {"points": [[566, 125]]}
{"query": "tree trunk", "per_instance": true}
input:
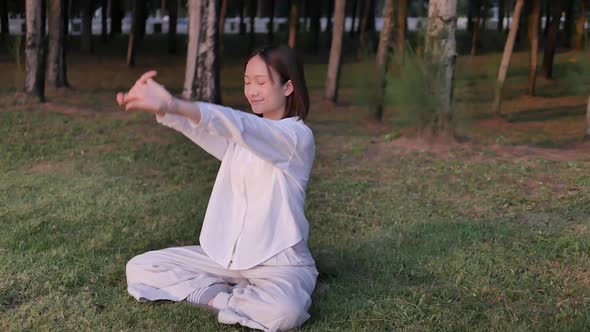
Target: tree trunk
{"points": [[271, 22], [362, 49], [202, 65], [402, 16], [315, 27], [103, 20], [440, 53], [293, 23], [579, 39], [501, 15], [143, 19], [335, 52], [252, 14], [172, 6], [383, 55], [568, 28], [355, 6], [534, 16], [86, 34], [4, 18], [56, 57], [587, 135], [134, 33], [475, 10], [116, 17], [551, 42], [222, 14], [35, 49], [241, 6], [506, 58]]}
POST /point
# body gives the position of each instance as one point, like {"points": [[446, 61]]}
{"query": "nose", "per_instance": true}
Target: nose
{"points": [[251, 91]]}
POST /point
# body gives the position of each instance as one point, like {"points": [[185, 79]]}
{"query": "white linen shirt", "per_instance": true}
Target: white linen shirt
{"points": [[256, 208]]}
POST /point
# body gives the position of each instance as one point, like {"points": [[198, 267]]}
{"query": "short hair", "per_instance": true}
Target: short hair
{"points": [[288, 65]]}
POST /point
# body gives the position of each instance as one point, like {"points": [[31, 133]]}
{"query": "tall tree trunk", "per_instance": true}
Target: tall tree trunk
{"points": [[143, 21], [501, 6], [315, 27], [534, 16], [86, 34], [271, 22], [103, 20], [56, 57], [568, 28], [293, 23], [335, 52], [202, 62], [506, 58], [252, 14], [134, 33], [35, 49], [440, 53], [551, 42], [241, 6], [4, 18], [116, 17], [383, 55], [355, 5], [221, 29], [402, 16], [579, 39], [362, 49], [172, 6], [587, 134], [475, 10]]}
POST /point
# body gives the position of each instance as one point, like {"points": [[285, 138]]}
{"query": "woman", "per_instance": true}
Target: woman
{"points": [[253, 265]]}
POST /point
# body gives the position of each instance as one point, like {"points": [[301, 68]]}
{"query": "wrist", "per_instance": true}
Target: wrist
{"points": [[168, 107]]}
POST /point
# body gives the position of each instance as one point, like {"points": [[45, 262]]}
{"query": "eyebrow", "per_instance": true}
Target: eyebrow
{"points": [[246, 76]]}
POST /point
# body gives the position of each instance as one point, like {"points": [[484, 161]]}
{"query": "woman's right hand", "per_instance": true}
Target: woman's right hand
{"points": [[146, 95]]}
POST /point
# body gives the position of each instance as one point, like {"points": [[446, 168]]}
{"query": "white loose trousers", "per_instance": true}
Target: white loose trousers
{"points": [[272, 296]]}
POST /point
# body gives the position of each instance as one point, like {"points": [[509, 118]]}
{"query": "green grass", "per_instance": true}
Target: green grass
{"points": [[405, 241]]}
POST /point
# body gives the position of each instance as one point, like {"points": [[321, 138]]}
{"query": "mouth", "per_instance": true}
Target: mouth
{"points": [[255, 101]]}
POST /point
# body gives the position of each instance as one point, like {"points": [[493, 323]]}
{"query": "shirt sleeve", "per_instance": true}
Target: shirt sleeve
{"points": [[214, 144], [271, 140]]}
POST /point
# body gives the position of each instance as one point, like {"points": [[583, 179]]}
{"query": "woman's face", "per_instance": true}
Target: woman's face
{"points": [[266, 96]]}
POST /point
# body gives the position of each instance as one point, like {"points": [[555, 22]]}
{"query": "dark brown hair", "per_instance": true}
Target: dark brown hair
{"points": [[287, 64]]}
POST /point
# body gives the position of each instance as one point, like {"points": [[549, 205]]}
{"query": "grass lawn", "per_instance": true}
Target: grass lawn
{"points": [[469, 239]]}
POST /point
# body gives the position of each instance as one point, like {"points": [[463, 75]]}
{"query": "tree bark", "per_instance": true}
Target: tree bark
{"points": [[116, 17], [86, 34], [56, 57], [506, 58], [440, 53], [293, 23], [333, 77], [383, 55], [475, 10], [222, 14], [172, 6], [579, 38], [534, 39], [134, 33], [271, 22], [568, 28], [252, 14], [202, 66], [551, 42], [35, 49], [501, 6], [587, 135], [402, 16], [362, 49], [355, 6], [103, 20], [4, 18]]}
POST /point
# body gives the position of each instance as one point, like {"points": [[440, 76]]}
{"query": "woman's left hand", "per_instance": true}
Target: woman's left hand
{"points": [[146, 95]]}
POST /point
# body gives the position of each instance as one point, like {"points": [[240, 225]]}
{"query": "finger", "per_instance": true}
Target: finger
{"points": [[130, 98], [137, 105], [120, 98], [146, 76]]}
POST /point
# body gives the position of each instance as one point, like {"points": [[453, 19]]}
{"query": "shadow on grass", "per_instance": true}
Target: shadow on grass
{"points": [[544, 114]]}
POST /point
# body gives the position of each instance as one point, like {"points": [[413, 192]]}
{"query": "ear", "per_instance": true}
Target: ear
{"points": [[288, 88]]}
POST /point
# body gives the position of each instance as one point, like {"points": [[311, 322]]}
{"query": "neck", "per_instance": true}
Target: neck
{"points": [[274, 115]]}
